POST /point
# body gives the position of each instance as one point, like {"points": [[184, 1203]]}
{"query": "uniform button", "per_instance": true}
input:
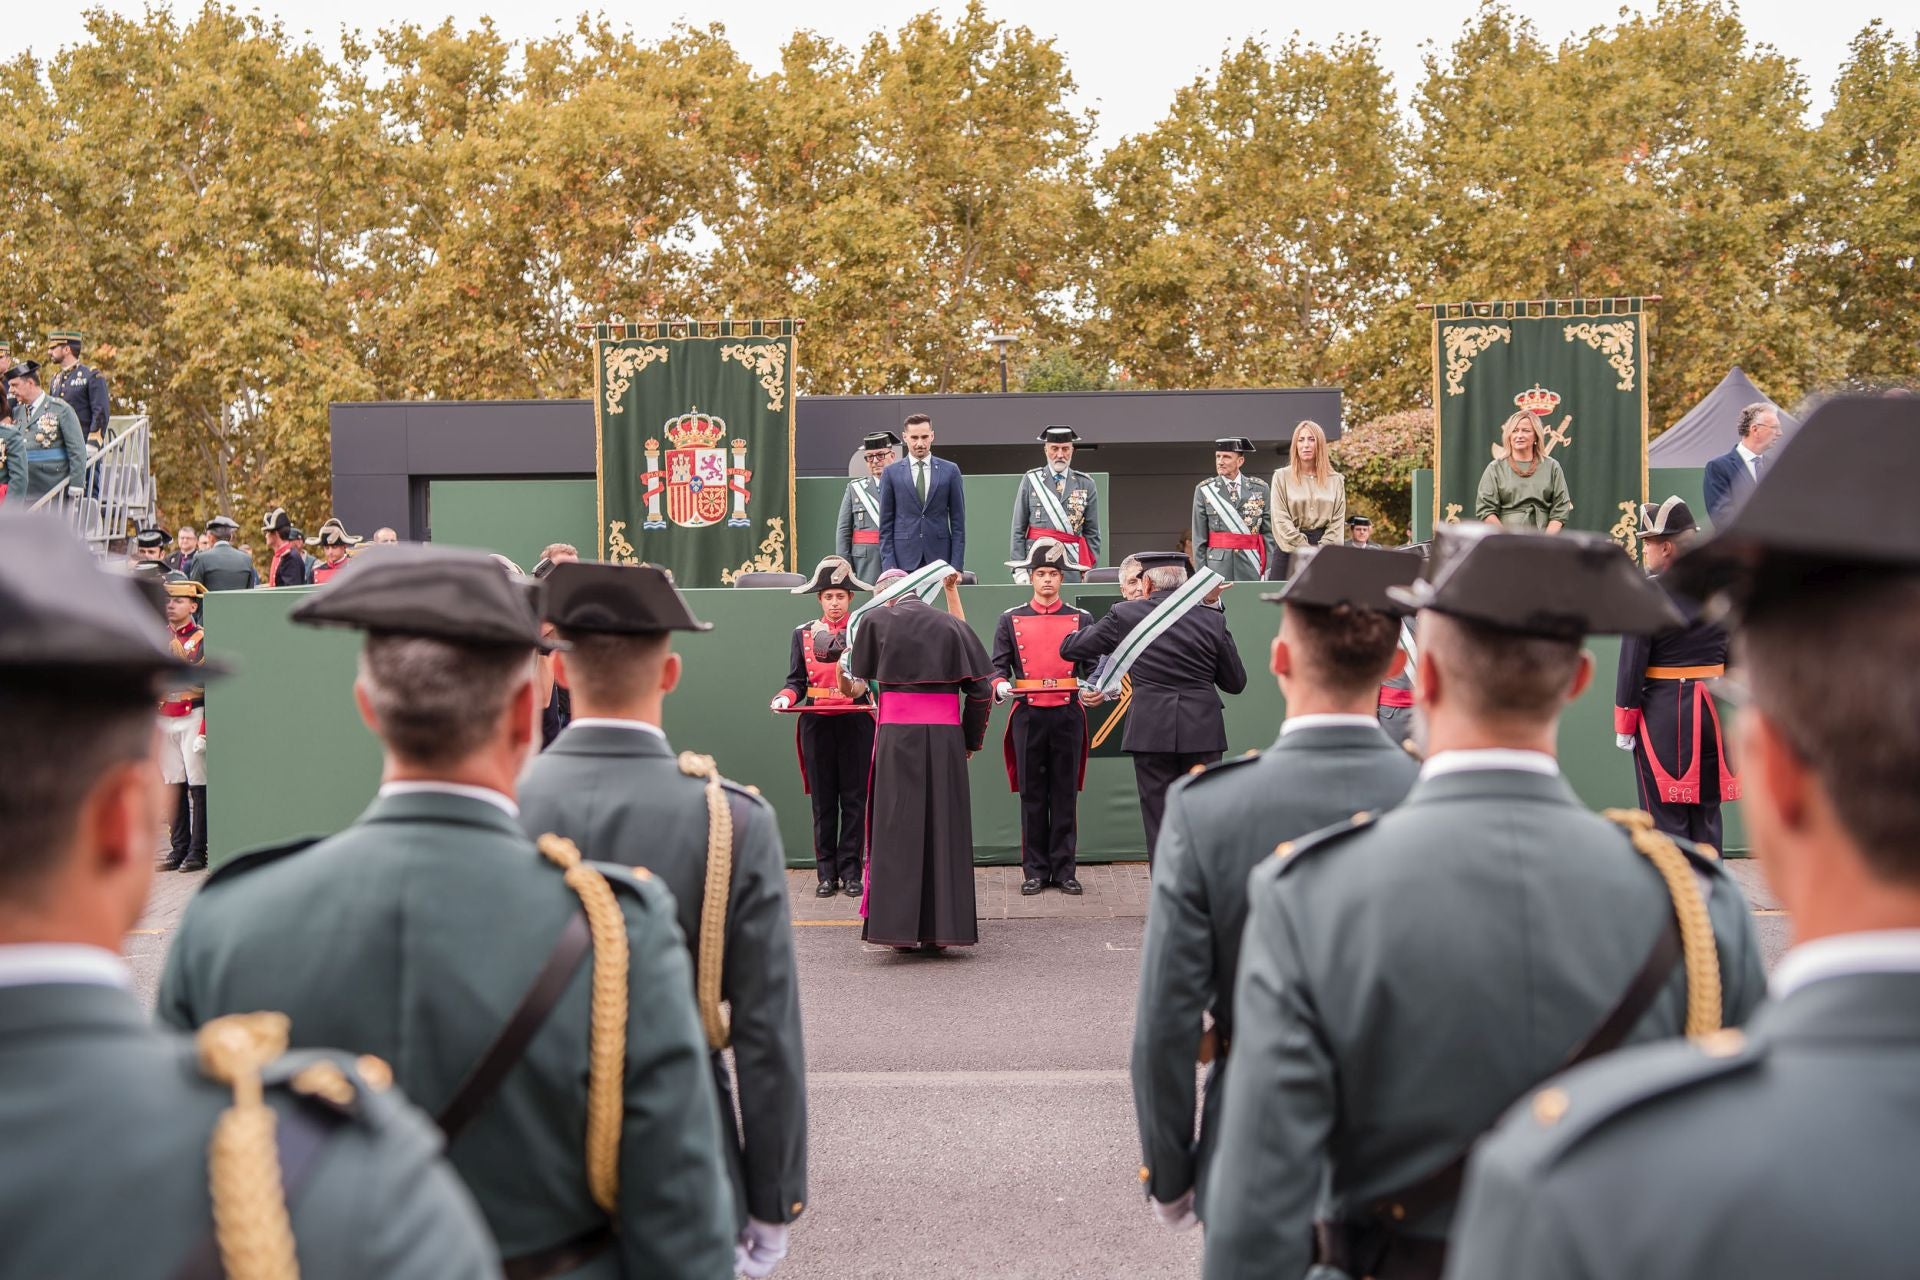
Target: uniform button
{"points": [[1362, 818], [1144, 1175], [1549, 1105], [1199, 768], [1723, 1043], [1284, 849], [797, 1207]]}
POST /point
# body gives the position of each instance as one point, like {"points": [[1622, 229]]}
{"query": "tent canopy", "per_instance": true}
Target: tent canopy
{"points": [[1711, 427]]}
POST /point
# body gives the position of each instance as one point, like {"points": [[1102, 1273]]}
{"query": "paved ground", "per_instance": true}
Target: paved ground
{"points": [[970, 1113]]}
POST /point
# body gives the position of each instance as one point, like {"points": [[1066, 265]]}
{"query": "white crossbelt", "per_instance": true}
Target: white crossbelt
{"points": [[1231, 518], [1056, 514], [1148, 629], [924, 582], [859, 488]]}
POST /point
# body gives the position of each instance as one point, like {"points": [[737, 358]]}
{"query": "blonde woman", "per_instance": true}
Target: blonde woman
{"points": [[1523, 488], [1309, 496]]}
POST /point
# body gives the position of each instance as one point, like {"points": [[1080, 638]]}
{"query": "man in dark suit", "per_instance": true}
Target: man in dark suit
{"points": [[1176, 720], [923, 505], [1730, 477]]}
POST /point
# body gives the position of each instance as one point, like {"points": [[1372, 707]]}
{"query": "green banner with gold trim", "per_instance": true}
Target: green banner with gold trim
{"points": [[693, 428], [1579, 367]]}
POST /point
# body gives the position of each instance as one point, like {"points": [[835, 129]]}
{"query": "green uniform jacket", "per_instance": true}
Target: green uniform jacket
{"points": [[1788, 1156], [1081, 499], [863, 556], [56, 448], [107, 1121], [224, 567], [1403, 981], [412, 935], [1218, 826], [13, 463], [1256, 510], [619, 794]]}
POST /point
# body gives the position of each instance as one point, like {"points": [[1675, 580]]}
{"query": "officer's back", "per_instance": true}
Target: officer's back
{"points": [[223, 566]]}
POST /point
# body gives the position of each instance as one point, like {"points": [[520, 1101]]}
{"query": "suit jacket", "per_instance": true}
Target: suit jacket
{"points": [[912, 534], [1726, 482], [1219, 825], [83, 1070], [1175, 708], [1650, 1171], [1404, 980], [619, 794], [413, 935]]}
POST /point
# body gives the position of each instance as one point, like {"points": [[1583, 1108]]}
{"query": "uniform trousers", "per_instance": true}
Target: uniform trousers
{"points": [[1153, 773], [1047, 751], [184, 767], [1699, 823], [838, 752]]}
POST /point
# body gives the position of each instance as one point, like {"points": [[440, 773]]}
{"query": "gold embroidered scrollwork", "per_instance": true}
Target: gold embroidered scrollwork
{"points": [[622, 365], [1614, 341], [1453, 513], [1626, 530], [1464, 342], [771, 558], [769, 361], [619, 550]]}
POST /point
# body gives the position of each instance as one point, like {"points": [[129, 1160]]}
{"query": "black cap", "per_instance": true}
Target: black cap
{"points": [[221, 522], [1355, 522], [61, 614], [23, 369], [1049, 553], [1667, 519], [277, 521], [879, 440], [1851, 461], [1161, 560], [834, 573], [459, 596], [1233, 444], [1331, 574], [1059, 435], [617, 599], [1559, 585], [152, 538]]}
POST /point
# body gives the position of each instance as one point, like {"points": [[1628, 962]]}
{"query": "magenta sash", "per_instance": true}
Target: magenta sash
{"points": [[919, 708]]}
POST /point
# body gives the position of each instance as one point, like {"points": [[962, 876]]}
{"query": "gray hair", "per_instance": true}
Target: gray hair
{"points": [[1751, 414], [436, 702], [1164, 576]]}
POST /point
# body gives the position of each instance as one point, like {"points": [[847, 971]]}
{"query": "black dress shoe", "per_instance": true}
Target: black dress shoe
{"points": [[1072, 886], [852, 889], [1031, 887], [194, 864], [168, 862], [827, 889]]}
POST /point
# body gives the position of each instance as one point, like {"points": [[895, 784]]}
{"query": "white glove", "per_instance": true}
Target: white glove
{"points": [[761, 1247], [1002, 690], [1624, 741], [1090, 696], [1177, 1216], [76, 491], [781, 702], [199, 744], [1021, 578]]}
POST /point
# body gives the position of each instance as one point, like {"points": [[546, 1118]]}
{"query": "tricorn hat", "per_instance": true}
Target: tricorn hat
{"points": [[23, 369], [1059, 435], [459, 596], [879, 440], [1048, 553], [335, 533], [1667, 519], [617, 599], [1233, 444], [1162, 560], [1331, 574], [1357, 521], [1561, 586], [179, 584], [152, 538], [277, 521], [832, 573]]}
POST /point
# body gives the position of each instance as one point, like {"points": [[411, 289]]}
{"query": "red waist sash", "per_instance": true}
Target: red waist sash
{"points": [[1082, 552], [1393, 697], [919, 708], [1241, 542], [866, 537]]}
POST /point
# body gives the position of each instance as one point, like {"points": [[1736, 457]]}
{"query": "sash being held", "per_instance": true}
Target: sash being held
{"points": [[924, 582], [1148, 629]]}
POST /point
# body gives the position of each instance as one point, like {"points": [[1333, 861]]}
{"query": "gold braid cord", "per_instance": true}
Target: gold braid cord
{"points": [[607, 1042], [713, 898], [250, 1220], [1697, 947]]}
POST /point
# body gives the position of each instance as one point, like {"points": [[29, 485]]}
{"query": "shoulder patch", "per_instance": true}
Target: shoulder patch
{"points": [[1219, 768], [1293, 852], [254, 859], [748, 791]]}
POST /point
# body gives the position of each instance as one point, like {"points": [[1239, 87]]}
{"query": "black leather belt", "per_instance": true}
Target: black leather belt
{"points": [[569, 1255]]}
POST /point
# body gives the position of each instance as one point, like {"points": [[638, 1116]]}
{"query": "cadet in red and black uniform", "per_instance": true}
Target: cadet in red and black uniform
{"points": [[1046, 739], [183, 732], [1663, 709], [835, 732]]}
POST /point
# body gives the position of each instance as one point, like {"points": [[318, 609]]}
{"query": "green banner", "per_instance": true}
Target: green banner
{"points": [[1580, 366], [693, 428]]}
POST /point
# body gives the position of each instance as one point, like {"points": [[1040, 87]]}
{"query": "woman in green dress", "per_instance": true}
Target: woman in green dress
{"points": [[1523, 488]]}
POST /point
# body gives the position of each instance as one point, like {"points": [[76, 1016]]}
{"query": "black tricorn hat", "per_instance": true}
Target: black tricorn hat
{"points": [[22, 369], [1852, 461], [1162, 560], [152, 538], [833, 573], [1563, 586], [461, 597], [1667, 519], [277, 521], [1048, 553], [1356, 521], [180, 586], [1330, 574], [1059, 435], [333, 531], [617, 599], [61, 614], [1233, 444], [879, 440]]}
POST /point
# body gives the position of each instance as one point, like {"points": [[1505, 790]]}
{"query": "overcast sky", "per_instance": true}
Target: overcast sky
{"points": [[1127, 57]]}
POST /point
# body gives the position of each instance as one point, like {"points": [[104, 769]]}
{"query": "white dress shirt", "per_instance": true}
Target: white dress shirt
{"points": [[33, 964], [610, 722], [1751, 459], [1846, 954], [1479, 758], [1326, 720], [499, 800]]}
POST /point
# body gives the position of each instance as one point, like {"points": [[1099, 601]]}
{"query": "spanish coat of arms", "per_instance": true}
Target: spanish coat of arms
{"points": [[697, 480]]}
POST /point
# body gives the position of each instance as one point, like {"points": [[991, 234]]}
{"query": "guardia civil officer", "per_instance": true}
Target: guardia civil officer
{"points": [[1663, 708], [132, 1150], [1339, 637], [84, 389], [857, 534], [1046, 739], [1404, 979], [611, 783], [1055, 501], [540, 1005], [833, 731], [56, 447], [1790, 1152], [1233, 516], [223, 566]]}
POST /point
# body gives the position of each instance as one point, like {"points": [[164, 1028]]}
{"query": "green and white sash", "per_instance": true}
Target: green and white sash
{"points": [[1229, 516], [866, 500], [924, 582], [1148, 629], [1051, 508]]}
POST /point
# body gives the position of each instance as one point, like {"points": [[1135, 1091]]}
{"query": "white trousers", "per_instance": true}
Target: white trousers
{"points": [[179, 762]]}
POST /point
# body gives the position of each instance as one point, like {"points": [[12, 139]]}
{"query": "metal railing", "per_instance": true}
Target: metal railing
{"points": [[118, 490]]}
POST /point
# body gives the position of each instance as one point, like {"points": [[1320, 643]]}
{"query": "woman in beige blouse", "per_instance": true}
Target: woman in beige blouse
{"points": [[1309, 496]]}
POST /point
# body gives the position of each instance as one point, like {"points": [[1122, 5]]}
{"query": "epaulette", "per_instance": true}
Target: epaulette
{"points": [[746, 790], [1202, 772], [254, 859], [330, 1081], [1291, 853], [1553, 1120], [636, 882], [1704, 857]]}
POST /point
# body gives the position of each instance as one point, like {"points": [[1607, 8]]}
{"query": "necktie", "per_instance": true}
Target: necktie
{"points": [[1060, 486], [1759, 461], [920, 481]]}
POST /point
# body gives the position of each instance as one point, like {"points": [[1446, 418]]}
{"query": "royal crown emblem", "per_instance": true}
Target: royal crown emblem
{"points": [[698, 430], [696, 480], [1538, 401]]}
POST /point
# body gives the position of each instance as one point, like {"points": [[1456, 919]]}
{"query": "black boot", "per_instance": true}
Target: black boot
{"points": [[179, 833], [197, 803]]}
